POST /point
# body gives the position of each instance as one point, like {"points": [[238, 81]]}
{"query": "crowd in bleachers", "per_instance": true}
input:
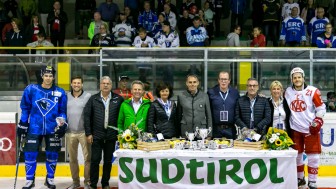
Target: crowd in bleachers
{"points": [[195, 23]]}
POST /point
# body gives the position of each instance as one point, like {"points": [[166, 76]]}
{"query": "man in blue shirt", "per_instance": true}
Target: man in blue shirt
{"points": [[196, 34]]}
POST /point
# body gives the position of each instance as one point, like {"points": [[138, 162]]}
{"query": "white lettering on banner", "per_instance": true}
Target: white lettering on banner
{"points": [[5, 144], [214, 172], [294, 24]]}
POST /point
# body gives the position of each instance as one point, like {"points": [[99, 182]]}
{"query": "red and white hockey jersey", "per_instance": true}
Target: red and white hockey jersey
{"points": [[303, 106]]}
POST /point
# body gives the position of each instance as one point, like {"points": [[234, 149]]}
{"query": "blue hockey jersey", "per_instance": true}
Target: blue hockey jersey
{"points": [[316, 27], [41, 106], [147, 20], [196, 36], [293, 29]]}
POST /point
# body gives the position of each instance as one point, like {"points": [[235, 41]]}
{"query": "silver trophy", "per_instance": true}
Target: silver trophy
{"points": [[191, 137], [203, 133]]}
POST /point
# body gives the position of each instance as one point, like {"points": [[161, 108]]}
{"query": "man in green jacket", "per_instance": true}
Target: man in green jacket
{"points": [[134, 110]]}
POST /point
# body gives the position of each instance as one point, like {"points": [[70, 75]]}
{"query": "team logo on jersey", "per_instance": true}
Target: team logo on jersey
{"points": [[45, 105], [298, 105]]}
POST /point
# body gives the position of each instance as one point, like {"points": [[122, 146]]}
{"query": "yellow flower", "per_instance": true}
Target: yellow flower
{"points": [[278, 142], [128, 138]]}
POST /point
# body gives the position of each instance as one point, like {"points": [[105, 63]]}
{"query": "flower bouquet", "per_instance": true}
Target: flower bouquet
{"points": [[277, 139], [128, 138]]}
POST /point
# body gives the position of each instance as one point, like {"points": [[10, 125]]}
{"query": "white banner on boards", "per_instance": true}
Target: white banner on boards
{"points": [[328, 143], [207, 172]]}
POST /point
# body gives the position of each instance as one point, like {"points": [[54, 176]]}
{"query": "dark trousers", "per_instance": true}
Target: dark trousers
{"points": [[271, 30], [57, 39], [239, 17], [218, 16], [99, 146]]}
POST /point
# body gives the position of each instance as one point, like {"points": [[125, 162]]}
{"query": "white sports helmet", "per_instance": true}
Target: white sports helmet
{"points": [[297, 70]]}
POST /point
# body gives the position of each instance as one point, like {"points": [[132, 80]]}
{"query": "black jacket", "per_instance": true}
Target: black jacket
{"points": [[288, 112], [94, 113], [63, 20], [157, 116]]}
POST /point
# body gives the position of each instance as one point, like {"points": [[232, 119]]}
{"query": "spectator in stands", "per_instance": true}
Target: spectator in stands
{"points": [[15, 38], [257, 13], [130, 17], [12, 7], [190, 115], [162, 112], [148, 93], [223, 100], [293, 33], [40, 42], [4, 19], [238, 8], [271, 20], [57, 20], [83, 15], [44, 8], [287, 9], [326, 39], [233, 37], [202, 18], [317, 26], [103, 38], [109, 12], [208, 17], [191, 7], [218, 10], [94, 27], [33, 29], [331, 102], [326, 4], [308, 12], [147, 18], [302, 4], [280, 112], [196, 34], [133, 9], [170, 16], [183, 24], [123, 89], [158, 25], [253, 112], [27, 8], [123, 32], [161, 4], [259, 40], [7, 28]]}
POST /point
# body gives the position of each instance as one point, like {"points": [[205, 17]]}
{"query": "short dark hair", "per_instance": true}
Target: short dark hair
{"points": [[142, 30], [196, 18], [330, 95], [77, 77], [161, 86]]}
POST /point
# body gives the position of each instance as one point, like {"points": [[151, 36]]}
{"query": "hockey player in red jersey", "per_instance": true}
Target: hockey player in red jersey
{"points": [[307, 111]]}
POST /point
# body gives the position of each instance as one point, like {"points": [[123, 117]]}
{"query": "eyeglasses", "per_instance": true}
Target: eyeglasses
{"points": [[223, 79], [252, 86]]}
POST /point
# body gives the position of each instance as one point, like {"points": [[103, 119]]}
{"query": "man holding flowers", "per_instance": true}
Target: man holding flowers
{"points": [[307, 110], [100, 112]]}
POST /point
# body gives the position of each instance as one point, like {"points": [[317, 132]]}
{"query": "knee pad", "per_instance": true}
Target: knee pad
{"points": [[51, 163], [30, 164]]}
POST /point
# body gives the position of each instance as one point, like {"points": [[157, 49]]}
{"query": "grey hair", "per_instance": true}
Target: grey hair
{"points": [[138, 82], [252, 79], [105, 77]]}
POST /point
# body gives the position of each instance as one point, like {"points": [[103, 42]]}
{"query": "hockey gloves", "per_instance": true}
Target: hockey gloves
{"points": [[22, 129], [316, 125]]}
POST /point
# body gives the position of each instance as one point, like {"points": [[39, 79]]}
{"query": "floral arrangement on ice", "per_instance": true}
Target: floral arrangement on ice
{"points": [[277, 139]]}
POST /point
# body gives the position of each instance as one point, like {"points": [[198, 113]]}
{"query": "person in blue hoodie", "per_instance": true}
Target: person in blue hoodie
{"points": [[317, 26], [238, 8]]}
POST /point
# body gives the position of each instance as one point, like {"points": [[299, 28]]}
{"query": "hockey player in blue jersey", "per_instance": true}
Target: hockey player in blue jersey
{"points": [[293, 32], [317, 26], [43, 116]]}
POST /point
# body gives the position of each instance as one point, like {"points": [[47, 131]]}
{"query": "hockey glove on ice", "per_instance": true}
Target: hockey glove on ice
{"points": [[316, 125]]}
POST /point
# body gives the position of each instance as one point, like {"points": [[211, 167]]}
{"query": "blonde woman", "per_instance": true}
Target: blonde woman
{"points": [[279, 107]]}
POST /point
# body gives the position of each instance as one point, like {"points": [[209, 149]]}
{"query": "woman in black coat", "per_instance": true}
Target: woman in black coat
{"points": [[162, 113], [279, 108]]}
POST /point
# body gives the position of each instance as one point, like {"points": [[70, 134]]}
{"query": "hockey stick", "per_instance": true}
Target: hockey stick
{"points": [[20, 145]]}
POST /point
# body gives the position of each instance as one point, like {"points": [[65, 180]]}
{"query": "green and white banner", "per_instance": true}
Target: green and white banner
{"points": [[205, 169]]}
